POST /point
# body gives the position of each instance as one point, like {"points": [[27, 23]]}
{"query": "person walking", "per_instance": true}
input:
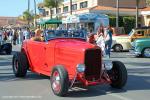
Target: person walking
{"points": [[108, 40], [21, 36], [100, 39], [26, 34], [15, 37]]}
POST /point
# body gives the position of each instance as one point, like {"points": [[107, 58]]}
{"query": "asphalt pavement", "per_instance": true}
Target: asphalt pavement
{"points": [[37, 87]]}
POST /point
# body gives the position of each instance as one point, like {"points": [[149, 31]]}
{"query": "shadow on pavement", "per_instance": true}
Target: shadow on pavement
{"points": [[9, 77], [135, 83], [138, 63]]}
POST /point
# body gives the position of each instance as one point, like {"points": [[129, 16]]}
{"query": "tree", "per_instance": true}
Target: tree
{"points": [[27, 16], [52, 4]]}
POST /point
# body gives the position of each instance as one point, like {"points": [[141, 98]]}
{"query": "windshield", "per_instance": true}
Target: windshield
{"points": [[52, 34], [131, 32]]}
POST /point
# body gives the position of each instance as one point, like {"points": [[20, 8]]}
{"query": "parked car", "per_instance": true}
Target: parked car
{"points": [[137, 33], [121, 43], [141, 47], [68, 61], [5, 47]]}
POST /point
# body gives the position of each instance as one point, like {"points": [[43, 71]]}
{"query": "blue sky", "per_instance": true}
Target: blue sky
{"points": [[15, 8]]}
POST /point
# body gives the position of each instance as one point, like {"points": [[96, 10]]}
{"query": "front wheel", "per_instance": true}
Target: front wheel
{"points": [[59, 81], [146, 53], [118, 75]]}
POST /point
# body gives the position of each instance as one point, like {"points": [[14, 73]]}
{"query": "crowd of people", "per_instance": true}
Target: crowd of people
{"points": [[16, 35]]}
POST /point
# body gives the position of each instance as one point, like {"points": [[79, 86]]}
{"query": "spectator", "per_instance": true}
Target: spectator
{"points": [[100, 39], [38, 35], [5, 36], [15, 36], [38, 31], [26, 34], [1, 32], [90, 37], [83, 31], [21, 36], [108, 40]]}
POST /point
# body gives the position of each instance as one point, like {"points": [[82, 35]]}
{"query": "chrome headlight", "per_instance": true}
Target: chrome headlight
{"points": [[108, 65], [80, 68]]}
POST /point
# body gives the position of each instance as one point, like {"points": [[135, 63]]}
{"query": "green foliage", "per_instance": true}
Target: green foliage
{"points": [[127, 22], [49, 3], [112, 21], [28, 16], [52, 3]]}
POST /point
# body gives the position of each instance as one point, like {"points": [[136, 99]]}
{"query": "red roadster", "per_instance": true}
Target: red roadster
{"points": [[68, 59]]}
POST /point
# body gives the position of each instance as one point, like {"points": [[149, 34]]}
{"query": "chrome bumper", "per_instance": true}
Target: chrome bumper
{"points": [[133, 52]]}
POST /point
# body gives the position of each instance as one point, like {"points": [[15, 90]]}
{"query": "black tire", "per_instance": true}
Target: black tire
{"points": [[64, 81], [118, 75], [20, 64], [118, 48], [146, 55]]}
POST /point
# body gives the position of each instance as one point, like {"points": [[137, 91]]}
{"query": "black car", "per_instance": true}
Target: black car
{"points": [[5, 47]]}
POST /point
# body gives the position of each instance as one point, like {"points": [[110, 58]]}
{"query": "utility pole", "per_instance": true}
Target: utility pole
{"points": [[137, 12], [28, 12], [117, 14], [71, 7], [35, 13], [56, 5]]}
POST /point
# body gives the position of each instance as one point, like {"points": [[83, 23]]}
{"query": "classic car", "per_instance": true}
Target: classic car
{"points": [[121, 43], [141, 47], [5, 47], [137, 33], [68, 60]]}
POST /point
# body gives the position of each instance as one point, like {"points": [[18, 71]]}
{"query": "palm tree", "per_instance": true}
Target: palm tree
{"points": [[27, 16], [52, 4]]}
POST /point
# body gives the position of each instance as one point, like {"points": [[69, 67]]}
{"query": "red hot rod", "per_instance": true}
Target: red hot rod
{"points": [[68, 59]]}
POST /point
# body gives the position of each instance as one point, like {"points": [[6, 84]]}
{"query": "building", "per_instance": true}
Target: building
{"points": [[127, 8], [7, 21], [11, 21]]}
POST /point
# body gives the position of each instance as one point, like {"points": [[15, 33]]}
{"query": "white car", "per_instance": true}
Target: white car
{"points": [[121, 43]]}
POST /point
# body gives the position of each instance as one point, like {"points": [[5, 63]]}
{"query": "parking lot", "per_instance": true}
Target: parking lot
{"points": [[37, 87]]}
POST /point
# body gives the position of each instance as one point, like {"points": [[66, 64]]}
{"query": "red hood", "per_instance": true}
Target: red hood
{"points": [[73, 44]]}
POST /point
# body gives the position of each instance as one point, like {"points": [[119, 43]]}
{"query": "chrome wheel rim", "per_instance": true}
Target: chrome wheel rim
{"points": [[56, 85], [147, 52], [118, 48]]}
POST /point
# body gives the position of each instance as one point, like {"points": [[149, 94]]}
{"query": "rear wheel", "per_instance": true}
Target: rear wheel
{"points": [[118, 75], [19, 64], [146, 53], [118, 48], [59, 81]]}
